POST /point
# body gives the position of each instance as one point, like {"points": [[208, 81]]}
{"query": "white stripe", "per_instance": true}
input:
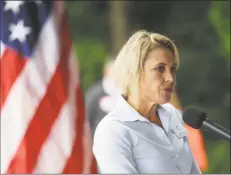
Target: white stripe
{"points": [[58, 146], [2, 49], [21, 104]]}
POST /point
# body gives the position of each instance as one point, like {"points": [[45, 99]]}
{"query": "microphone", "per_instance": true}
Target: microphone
{"points": [[197, 119]]}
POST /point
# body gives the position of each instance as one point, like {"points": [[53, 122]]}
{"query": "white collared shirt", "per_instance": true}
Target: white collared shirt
{"points": [[126, 142]]}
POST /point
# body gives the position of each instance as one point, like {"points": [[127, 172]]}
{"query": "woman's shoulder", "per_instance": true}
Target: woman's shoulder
{"points": [[112, 130], [108, 125]]}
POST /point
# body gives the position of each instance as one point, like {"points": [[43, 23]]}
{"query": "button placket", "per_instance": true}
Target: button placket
{"points": [[177, 156], [163, 133], [178, 169]]}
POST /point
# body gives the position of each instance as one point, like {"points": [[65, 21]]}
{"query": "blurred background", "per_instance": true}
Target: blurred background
{"points": [[201, 31]]}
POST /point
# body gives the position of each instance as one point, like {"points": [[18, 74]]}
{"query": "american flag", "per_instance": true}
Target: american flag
{"points": [[42, 112]]}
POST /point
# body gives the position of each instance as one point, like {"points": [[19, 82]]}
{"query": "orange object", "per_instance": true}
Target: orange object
{"points": [[196, 140]]}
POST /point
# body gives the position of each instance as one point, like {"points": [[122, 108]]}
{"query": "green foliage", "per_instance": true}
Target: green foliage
{"points": [[219, 15], [203, 78], [219, 157], [91, 57], [88, 19]]}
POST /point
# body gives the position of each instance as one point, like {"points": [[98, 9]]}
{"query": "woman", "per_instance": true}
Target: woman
{"points": [[144, 133]]}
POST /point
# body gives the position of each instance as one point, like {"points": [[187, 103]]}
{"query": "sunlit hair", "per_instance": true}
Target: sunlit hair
{"points": [[129, 64]]}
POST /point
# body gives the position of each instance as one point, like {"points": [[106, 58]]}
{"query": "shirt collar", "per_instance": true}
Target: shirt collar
{"points": [[127, 113]]}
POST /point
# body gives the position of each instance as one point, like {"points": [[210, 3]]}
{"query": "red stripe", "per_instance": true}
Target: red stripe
{"points": [[46, 114], [11, 66], [75, 162], [93, 169]]}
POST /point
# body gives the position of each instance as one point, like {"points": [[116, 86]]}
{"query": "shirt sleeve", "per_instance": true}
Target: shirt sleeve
{"points": [[113, 149]]}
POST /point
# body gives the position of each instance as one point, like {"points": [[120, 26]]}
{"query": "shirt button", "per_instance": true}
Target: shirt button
{"points": [[177, 156]]}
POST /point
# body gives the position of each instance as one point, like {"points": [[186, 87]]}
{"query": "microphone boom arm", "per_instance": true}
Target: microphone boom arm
{"points": [[216, 129]]}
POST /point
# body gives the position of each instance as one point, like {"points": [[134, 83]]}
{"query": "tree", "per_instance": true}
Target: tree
{"points": [[219, 15], [118, 24]]}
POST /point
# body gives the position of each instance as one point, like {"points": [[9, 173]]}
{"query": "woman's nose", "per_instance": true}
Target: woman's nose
{"points": [[170, 77]]}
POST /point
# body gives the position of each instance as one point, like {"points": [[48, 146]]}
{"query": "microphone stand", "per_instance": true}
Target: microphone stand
{"points": [[216, 129]]}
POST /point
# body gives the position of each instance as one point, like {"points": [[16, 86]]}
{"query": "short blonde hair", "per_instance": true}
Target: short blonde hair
{"points": [[129, 64]]}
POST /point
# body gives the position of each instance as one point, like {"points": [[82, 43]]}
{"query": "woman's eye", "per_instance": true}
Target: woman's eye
{"points": [[160, 68], [173, 69]]}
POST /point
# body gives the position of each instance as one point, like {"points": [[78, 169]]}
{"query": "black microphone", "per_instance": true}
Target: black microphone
{"points": [[197, 119]]}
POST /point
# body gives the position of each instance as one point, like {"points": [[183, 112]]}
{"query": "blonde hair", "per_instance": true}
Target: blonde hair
{"points": [[128, 66]]}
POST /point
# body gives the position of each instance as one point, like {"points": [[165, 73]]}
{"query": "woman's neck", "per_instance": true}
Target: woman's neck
{"points": [[146, 108]]}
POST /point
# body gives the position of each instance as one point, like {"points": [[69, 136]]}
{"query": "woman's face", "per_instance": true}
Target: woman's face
{"points": [[159, 76]]}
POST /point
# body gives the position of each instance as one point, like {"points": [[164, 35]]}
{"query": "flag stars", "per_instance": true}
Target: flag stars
{"points": [[19, 31], [13, 5]]}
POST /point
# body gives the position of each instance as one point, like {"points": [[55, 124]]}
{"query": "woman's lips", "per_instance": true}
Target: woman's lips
{"points": [[169, 90]]}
